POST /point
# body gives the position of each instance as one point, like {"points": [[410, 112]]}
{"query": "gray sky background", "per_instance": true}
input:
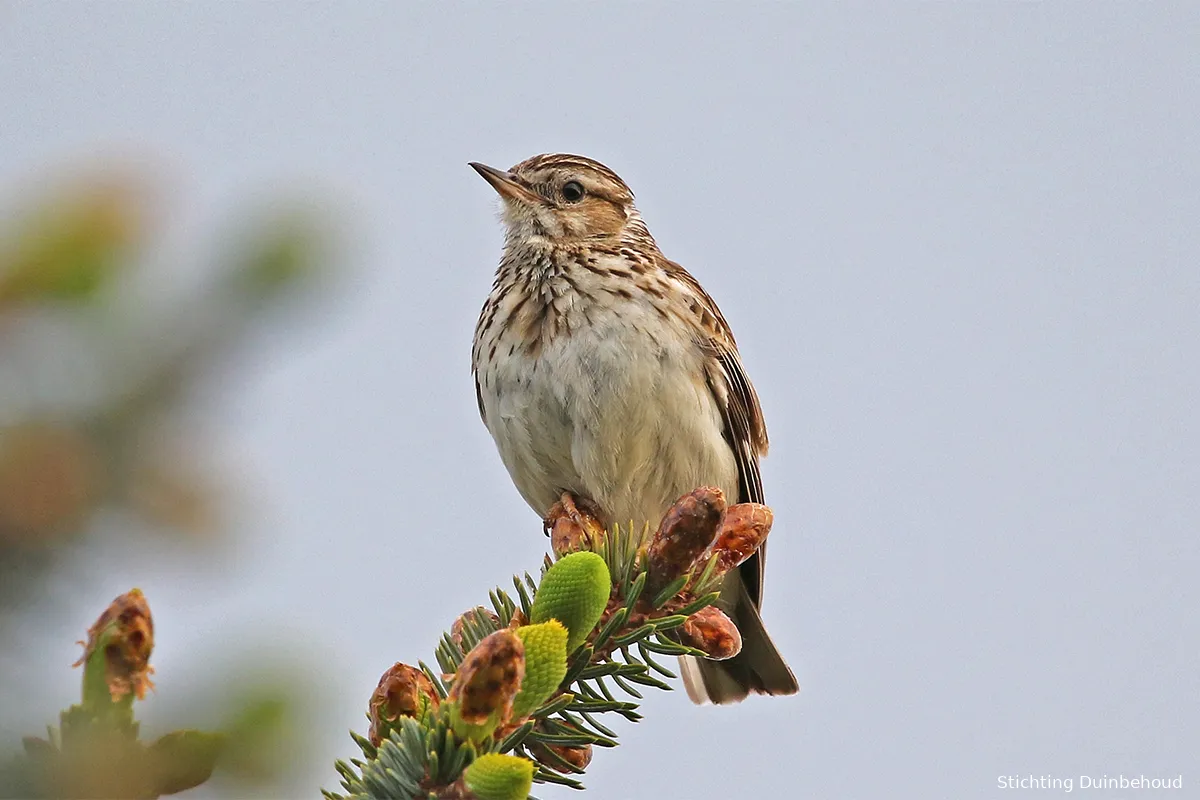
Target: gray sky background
{"points": [[958, 246]]}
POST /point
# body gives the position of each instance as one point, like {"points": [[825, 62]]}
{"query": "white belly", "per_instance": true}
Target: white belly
{"points": [[612, 414]]}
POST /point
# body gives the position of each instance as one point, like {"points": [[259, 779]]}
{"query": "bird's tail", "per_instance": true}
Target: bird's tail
{"points": [[758, 668]]}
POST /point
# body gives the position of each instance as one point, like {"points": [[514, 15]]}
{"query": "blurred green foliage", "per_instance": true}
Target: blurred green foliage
{"points": [[97, 370], [114, 436]]}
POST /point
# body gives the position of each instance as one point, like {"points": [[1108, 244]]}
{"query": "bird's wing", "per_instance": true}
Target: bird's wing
{"points": [[487, 316], [479, 398], [745, 428]]}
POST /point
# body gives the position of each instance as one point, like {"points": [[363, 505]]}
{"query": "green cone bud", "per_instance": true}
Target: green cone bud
{"points": [[575, 592], [499, 777], [545, 665]]}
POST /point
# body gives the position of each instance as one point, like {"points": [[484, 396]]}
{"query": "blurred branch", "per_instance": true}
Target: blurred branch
{"points": [[113, 435], [96, 378]]}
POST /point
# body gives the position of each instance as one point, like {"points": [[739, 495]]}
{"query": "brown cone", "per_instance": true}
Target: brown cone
{"points": [[686, 531]]}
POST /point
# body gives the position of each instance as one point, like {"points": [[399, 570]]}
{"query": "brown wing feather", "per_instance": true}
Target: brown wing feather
{"points": [[479, 399], [742, 414], [745, 428]]}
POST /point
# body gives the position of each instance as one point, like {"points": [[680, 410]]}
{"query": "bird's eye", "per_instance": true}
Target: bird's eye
{"points": [[572, 191]]}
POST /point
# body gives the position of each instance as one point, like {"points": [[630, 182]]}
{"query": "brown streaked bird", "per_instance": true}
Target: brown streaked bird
{"points": [[604, 370]]}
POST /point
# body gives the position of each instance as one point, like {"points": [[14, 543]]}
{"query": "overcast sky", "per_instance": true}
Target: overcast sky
{"points": [[957, 244]]}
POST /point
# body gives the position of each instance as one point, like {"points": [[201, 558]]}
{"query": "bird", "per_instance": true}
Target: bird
{"points": [[606, 373]]}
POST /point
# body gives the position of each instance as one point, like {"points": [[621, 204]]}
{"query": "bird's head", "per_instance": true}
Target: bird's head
{"points": [[562, 198]]}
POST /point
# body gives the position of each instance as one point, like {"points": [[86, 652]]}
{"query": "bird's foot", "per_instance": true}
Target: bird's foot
{"points": [[573, 523]]}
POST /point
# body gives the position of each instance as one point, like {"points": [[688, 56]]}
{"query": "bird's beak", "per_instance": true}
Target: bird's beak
{"points": [[504, 183]]}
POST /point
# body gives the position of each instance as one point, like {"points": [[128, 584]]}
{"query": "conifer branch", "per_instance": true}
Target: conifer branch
{"points": [[524, 683]]}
